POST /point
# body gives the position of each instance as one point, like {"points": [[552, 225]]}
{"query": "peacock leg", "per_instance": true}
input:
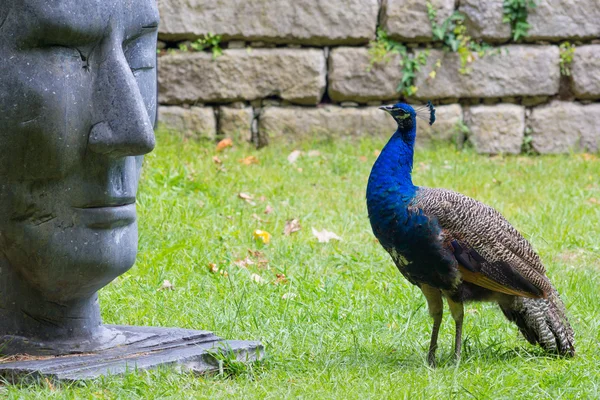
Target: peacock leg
{"points": [[458, 313], [436, 310]]}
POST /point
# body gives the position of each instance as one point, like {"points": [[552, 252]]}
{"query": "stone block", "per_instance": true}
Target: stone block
{"points": [[407, 20], [293, 123], [509, 71], [564, 19], [193, 122], [313, 22], [350, 78], [297, 75], [497, 129], [561, 127], [484, 20], [585, 70], [236, 123]]}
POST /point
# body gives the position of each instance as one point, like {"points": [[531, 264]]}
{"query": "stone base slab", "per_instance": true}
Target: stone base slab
{"points": [[149, 348]]}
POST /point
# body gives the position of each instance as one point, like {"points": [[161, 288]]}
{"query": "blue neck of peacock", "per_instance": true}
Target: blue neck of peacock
{"points": [[392, 170]]}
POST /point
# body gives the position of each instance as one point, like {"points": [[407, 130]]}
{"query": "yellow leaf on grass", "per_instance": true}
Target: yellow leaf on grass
{"points": [[263, 236]]}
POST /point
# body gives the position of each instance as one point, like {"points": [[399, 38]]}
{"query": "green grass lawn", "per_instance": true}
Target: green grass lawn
{"points": [[343, 323]]}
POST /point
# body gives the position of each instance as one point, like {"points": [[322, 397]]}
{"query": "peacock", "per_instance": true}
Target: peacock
{"points": [[454, 247]]}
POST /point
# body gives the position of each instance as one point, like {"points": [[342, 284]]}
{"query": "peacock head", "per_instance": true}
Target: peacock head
{"points": [[406, 116]]}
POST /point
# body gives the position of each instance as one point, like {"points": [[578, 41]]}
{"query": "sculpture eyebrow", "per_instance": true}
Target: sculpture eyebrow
{"points": [[64, 32]]}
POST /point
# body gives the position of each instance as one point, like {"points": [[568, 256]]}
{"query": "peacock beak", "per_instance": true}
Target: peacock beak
{"points": [[387, 108]]}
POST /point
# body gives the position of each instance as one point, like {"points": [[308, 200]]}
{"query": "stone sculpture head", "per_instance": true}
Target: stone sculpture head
{"points": [[77, 109]]}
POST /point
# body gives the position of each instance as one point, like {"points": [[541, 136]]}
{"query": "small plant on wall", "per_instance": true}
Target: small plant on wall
{"points": [[210, 42], [515, 14], [383, 49], [453, 34], [567, 50]]}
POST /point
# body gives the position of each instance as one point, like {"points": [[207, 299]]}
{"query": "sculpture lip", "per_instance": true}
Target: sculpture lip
{"points": [[107, 217], [110, 202]]}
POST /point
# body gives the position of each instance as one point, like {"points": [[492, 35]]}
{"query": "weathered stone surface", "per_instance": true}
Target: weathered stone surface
{"points": [[292, 123], [193, 122], [314, 22], [497, 129], [560, 127], [484, 20], [511, 71], [408, 20], [445, 129], [236, 123], [564, 19], [297, 75], [585, 71], [350, 78]]}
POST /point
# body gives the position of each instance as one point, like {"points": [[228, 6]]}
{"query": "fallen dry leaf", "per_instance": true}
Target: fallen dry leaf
{"points": [[50, 385], [247, 198], [300, 169], [217, 160], [314, 153], [423, 166], [244, 263], [257, 278], [294, 156], [249, 160], [280, 279], [212, 267], [363, 158], [289, 296], [593, 200], [376, 152], [262, 199], [589, 157], [263, 236], [223, 144], [166, 285], [259, 219], [325, 236], [291, 226], [268, 209], [256, 253], [260, 259]]}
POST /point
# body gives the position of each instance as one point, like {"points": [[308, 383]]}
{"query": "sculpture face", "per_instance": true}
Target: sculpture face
{"points": [[77, 108]]}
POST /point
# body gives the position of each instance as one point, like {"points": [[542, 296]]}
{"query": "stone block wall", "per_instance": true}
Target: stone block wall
{"points": [[291, 69]]}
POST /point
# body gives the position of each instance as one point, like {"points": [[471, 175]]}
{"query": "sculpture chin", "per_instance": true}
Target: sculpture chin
{"points": [[67, 259]]}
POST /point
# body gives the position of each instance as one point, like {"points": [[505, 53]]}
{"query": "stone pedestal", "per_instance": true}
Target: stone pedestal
{"points": [[138, 348]]}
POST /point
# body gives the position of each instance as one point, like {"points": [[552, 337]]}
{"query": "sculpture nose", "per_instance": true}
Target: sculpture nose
{"points": [[125, 128]]}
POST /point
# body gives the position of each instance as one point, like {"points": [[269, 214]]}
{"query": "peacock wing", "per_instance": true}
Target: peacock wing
{"points": [[490, 252]]}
